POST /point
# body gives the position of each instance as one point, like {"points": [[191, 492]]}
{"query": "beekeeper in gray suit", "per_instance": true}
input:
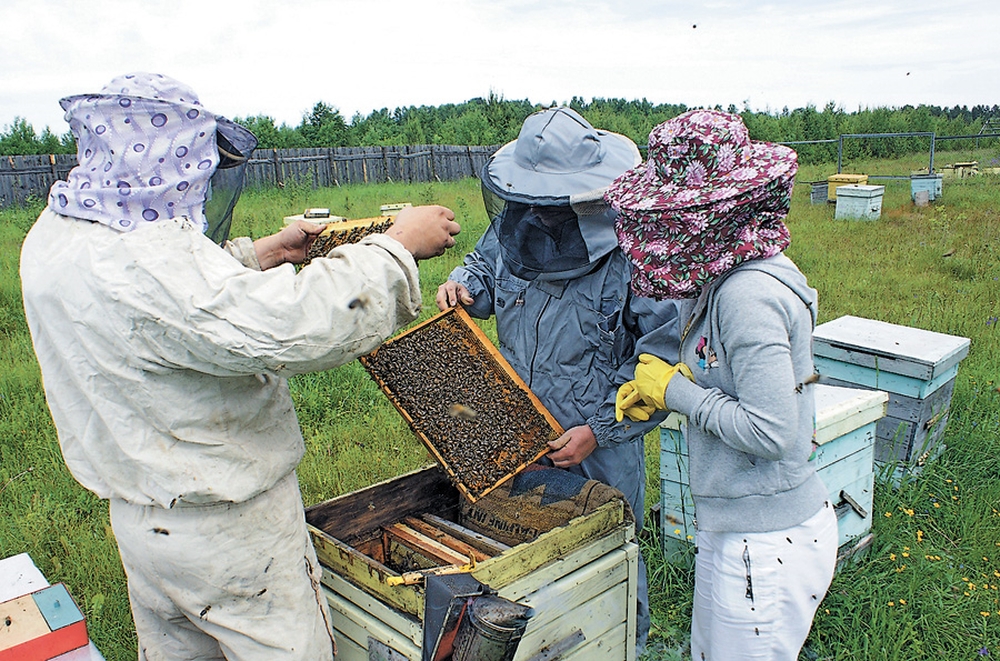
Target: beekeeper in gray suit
{"points": [[550, 270]]}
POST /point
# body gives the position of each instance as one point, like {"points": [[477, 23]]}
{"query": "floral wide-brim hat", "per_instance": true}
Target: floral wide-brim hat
{"points": [[697, 158], [706, 199]]}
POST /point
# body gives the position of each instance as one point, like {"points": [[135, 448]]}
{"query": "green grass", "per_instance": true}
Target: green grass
{"points": [[927, 589]]}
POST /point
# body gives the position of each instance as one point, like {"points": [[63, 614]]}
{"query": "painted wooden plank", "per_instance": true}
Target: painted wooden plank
{"points": [[604, 648], [673, 466], [848, 469], [348, 650], [844, 446], [524, 558], [406, 625], [560, 567], [351, 622], [837, 372], [594, 618], [891, 347], [850, 524], [920, 410], [840, 410], [370, 575]]}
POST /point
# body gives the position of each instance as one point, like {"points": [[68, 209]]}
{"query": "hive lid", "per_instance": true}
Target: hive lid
{"points": [[889, 347], [463, 400], [841, 410], [860, 190]]}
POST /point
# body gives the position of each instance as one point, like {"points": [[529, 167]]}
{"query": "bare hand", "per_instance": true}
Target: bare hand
{"points": [[425, 231], [572, 447], [291, 244], [451, 294]]}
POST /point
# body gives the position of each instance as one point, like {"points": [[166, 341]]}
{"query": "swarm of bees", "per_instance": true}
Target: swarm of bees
{"points": [[474, 417]]}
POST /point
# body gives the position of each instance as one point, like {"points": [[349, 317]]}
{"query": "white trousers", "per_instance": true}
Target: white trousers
{"points": [[233, 581], [755, 594]]}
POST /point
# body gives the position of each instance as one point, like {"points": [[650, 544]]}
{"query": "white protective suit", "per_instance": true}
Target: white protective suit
{"points": [[164, 359]]}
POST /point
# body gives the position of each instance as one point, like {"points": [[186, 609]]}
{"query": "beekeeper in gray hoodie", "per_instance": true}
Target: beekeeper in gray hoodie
{"points": [[701, 219], [550, 270]]}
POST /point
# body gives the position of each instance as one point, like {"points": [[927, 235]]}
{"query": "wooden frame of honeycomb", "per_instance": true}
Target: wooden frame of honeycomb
{"points": [[464, 401]]}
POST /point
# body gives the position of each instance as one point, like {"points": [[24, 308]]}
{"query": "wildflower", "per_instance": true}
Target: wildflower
{"points": [[937, 504], [900, 568], [677, 531], [920, 535], [984, 613], [892, 556], [983, 651], [906, 554], [892, 603], [888, 514], [902, 602]]}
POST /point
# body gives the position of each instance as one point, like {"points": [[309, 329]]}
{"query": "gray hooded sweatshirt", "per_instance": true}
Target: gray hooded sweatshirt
{"points": [[751, 414]]}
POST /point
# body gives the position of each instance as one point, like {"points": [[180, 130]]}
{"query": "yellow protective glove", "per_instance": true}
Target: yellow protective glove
{"points": [[652, 376], [629, 403]]}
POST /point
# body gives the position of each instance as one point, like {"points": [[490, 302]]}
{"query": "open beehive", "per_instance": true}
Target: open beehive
{"points": [[579, 570], [463, 400]]}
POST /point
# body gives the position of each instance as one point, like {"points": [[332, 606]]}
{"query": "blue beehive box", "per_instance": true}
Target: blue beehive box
{"points": [[925, 182], [846, 420], [915, 366]]}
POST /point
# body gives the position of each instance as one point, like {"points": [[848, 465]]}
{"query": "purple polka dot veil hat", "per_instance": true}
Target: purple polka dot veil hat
{"points": [[146, 150]]}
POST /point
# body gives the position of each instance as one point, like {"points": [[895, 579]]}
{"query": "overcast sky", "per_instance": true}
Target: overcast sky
{"points": [[279, 57]]}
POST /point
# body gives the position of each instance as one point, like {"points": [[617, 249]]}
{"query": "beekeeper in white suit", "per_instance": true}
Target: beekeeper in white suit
{"points": [[165, 360]]}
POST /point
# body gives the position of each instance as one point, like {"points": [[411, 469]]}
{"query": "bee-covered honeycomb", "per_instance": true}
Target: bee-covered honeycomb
{"points": [[339, 233], [463, 401]]}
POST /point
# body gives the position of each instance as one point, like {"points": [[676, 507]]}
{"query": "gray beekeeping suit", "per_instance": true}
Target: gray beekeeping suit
{"points": [[550, 271]]}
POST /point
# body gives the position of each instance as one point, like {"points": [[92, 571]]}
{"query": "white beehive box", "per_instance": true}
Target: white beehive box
{"points": [[915, 366], [859, 202], [846, 420]]}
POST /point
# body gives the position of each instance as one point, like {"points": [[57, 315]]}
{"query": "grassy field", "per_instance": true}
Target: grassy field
{"points": [[926, 590]]}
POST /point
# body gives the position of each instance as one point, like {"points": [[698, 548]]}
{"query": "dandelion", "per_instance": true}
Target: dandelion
{"points": [[888, 514], [892, 603], [906, 554], [984, 613], [892, 556], [937, 504], [902, 602]]}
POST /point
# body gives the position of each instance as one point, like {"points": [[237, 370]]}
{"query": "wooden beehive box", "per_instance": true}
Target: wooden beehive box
{"points": [[856, 202], [463, 400], [580, 577], [845, 435], [915, 366], [843, 179]]}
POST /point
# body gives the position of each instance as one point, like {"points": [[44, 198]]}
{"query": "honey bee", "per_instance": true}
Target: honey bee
{"points": [[462, 412]]}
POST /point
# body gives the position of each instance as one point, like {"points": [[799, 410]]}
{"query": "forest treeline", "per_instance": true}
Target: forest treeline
{"points": [[494, 120]]}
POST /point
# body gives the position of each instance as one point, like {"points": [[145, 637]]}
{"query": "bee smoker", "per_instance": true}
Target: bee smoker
{"points": [[491, 629]]}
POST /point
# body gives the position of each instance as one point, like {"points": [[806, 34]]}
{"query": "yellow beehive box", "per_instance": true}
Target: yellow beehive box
{"points": [[835, 180]]}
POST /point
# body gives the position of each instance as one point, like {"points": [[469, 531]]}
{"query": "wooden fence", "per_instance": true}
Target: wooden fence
{"points": [[23, 178]]}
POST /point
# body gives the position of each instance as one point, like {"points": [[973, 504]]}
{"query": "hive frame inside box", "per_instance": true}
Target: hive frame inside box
{"points": [[916, 367], [587, 567], [846, 421], [436, 388]]}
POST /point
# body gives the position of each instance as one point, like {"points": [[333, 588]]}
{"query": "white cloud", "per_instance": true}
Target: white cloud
{"points": [[261, 57]]}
